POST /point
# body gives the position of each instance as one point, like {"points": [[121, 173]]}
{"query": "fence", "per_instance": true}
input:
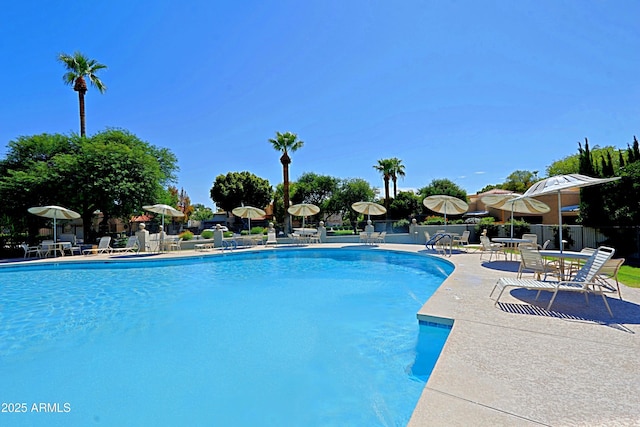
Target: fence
{"points": [[626, 240]]}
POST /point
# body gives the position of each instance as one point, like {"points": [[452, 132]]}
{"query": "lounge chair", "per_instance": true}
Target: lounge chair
{"points": [[133, 245], [585, 281], [314, 238], [103, 247], [492, 248]]}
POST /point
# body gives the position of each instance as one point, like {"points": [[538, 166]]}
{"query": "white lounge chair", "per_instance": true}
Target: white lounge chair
{"points": [[585, 281], [103, 247], [133, 245]]}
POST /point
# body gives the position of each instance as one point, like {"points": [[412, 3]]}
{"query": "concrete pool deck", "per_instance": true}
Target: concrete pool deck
{"points": [[517, 364]]}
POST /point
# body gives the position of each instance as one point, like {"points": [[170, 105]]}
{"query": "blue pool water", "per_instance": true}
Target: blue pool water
{"points": [[276, 338]]}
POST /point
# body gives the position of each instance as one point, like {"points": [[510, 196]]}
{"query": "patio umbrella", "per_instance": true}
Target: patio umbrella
{"points": [[369, 208], [163, 210], [248, 212], [54, 212], [304, 210], [515, 203], [442, 203], [556, 184]]}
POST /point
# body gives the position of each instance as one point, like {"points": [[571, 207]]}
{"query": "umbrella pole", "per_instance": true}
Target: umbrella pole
{"points": [[55, 237], [560, 222], [512, 220]]}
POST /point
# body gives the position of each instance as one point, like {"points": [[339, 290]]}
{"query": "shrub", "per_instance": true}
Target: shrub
{"points": [[489, 224], [401, 226], [207, 234], [186, 235]]}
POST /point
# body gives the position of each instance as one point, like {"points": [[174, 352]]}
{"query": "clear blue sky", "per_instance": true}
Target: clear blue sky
{"points": [[465, 90]]}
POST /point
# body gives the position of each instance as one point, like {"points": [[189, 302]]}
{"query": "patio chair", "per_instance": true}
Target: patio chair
{"points": [[47, 248], [463, 240], [532, 262], [584, 282], [103, 247], [314, 238], [532, 237], [28, 250], [492, 248], [380, 238], [132, 245], [610, 272]]}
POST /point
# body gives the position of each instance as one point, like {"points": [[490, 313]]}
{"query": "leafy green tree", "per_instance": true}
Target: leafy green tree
{"points": [[78, 67], [397, 170], [441, 186], [350, 191], [113, 171], [241, 189], [285, 143], [386, 167], [201, 212], [315, 189], [404, 205], [519, 181]]}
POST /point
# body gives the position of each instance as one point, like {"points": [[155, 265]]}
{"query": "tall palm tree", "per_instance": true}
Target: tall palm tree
{"points": [[286, 142], [385, 167], [397, 171], [78, 67]]}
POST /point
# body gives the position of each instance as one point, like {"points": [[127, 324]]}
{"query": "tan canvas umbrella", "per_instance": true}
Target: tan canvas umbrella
{"points": [[163, 210], [556, 184], [515, 203], [248, 212], [444, 204], [304, 210], [369, 208], [55, 212]]}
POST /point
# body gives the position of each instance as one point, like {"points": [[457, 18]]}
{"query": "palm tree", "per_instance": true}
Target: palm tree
{"points": [[386, 167], [286, 142], [397, 171], [78, 67]]}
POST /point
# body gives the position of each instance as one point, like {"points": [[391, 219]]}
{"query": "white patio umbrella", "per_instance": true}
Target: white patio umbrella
{"points": [[369, 208], [304, 210], [55, 212], [556, 184], [442, 203], [248, 212], [163, 210], [515, 203]]}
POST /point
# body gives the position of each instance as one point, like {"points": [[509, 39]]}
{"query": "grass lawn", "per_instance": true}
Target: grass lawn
{"points": [[630, 276]]}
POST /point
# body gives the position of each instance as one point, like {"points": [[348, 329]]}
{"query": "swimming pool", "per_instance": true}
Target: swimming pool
{"points": [[277, 337]]}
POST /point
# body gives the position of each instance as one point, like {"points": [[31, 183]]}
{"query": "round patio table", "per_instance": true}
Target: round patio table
{"points": [[562, 255], [510, 242]]}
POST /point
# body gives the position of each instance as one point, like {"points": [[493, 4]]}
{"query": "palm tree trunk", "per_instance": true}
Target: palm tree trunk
{"points": [[285, 160], [386, 192], [82, 123], [395, 187]]}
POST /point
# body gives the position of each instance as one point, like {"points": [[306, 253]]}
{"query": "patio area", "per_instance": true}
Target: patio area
{"points": [[517, 364]]}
